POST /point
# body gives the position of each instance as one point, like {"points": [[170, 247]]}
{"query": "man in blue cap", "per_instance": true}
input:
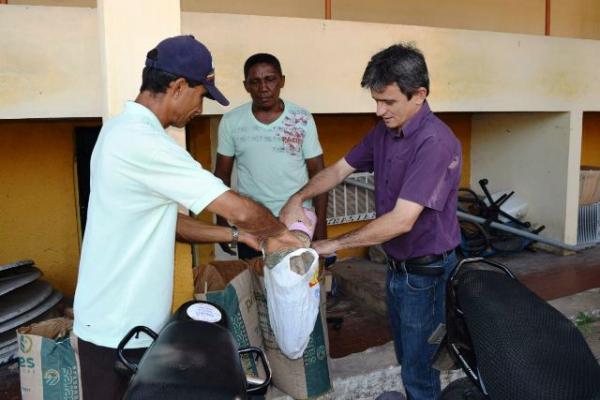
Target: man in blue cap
{"points": [[139, 176]]}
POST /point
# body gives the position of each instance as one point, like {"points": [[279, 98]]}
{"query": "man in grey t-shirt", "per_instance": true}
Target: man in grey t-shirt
{"points": [[274, 144]]}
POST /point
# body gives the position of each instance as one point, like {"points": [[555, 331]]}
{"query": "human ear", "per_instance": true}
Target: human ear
{"points": [[178, 86], [420, 95]]}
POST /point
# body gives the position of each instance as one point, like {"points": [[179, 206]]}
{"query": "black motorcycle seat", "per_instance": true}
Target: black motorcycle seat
{"points": [[189, 360], [525, 348]]}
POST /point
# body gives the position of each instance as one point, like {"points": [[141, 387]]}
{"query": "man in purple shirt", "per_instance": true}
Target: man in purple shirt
{"points": [[417, 162]]}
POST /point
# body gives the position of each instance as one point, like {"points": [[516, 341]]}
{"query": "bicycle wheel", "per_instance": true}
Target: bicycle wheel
{"points": [[474, 239]]}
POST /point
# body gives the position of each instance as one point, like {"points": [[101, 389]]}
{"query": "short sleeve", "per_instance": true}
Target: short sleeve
{"points": [[310, 145], [431, 176], [172, 172], [225, 143], [360, 156]]}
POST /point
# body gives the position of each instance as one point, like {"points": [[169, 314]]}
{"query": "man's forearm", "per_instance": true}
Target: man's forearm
{"points": [[190, 230], [325, 180], [246, 214], [375, 232], [257, 220], [394, 223], [320, 183]]}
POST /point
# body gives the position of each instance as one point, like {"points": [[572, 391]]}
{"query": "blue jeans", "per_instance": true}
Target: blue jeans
{"points": [[416, 308]]}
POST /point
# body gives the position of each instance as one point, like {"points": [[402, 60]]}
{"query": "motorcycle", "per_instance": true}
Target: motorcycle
{"points": [[194, 356], [511, 344]]}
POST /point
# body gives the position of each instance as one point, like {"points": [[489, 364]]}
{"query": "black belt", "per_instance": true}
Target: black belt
{"points": [[418, 265]]}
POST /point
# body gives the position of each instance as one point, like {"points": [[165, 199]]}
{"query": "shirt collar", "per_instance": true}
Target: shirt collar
{"points": [[414, 123], [147, 116]]}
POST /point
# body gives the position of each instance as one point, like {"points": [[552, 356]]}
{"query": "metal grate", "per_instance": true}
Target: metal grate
{"points": [[351, 203], [588, 227]]}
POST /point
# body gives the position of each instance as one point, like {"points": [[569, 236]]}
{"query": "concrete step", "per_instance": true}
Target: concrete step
{"points": [[362, 280]]}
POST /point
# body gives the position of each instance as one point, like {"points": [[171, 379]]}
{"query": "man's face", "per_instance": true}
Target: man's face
{"points": [[187, 104], [264, 84], [394, 107]]}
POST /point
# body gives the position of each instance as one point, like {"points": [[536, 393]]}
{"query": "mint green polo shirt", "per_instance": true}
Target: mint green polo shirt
{"points": [[139, 176]]}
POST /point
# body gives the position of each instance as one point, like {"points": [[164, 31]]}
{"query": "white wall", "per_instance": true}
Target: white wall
{"points": [[49, 62], [525, 152], [470, 71], [126, 35]]}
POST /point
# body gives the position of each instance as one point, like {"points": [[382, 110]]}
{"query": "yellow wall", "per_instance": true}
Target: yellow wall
{"points": [[61, 3], [37, 197], [281, 8], [569, 18], [576, 18], [199, 146], [590, 142], [518, 16], [460, 123]]}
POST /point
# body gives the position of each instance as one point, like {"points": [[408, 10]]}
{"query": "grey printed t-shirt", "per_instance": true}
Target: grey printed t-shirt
{"points": [[270, 158]]}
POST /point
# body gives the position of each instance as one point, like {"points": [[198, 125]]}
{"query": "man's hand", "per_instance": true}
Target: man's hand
{"points": [[250, 240], [325, 247], [293, 212], [284, 241]]}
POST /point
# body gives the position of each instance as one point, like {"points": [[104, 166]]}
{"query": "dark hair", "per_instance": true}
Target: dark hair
{"points": [[402, 64], [262, 58], [157, 81]]}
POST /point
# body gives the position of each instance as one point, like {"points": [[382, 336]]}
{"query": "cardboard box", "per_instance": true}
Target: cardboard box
{"points": [[589, 185]]}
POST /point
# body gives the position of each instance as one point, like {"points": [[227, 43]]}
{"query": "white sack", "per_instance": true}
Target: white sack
{"points": [[293, 300]]}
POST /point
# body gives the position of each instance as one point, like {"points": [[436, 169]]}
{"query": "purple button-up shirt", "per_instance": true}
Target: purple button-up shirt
{"points": [[420, 163]]}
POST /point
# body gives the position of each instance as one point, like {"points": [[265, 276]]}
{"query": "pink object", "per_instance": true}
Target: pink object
{"points": [[301, 226]]}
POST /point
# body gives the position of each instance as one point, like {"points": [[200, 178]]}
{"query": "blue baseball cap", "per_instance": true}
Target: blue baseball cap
{"points": [[186, 57]]}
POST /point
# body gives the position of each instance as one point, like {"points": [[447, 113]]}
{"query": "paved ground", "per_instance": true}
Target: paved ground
{"points": [[575, 307]]}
